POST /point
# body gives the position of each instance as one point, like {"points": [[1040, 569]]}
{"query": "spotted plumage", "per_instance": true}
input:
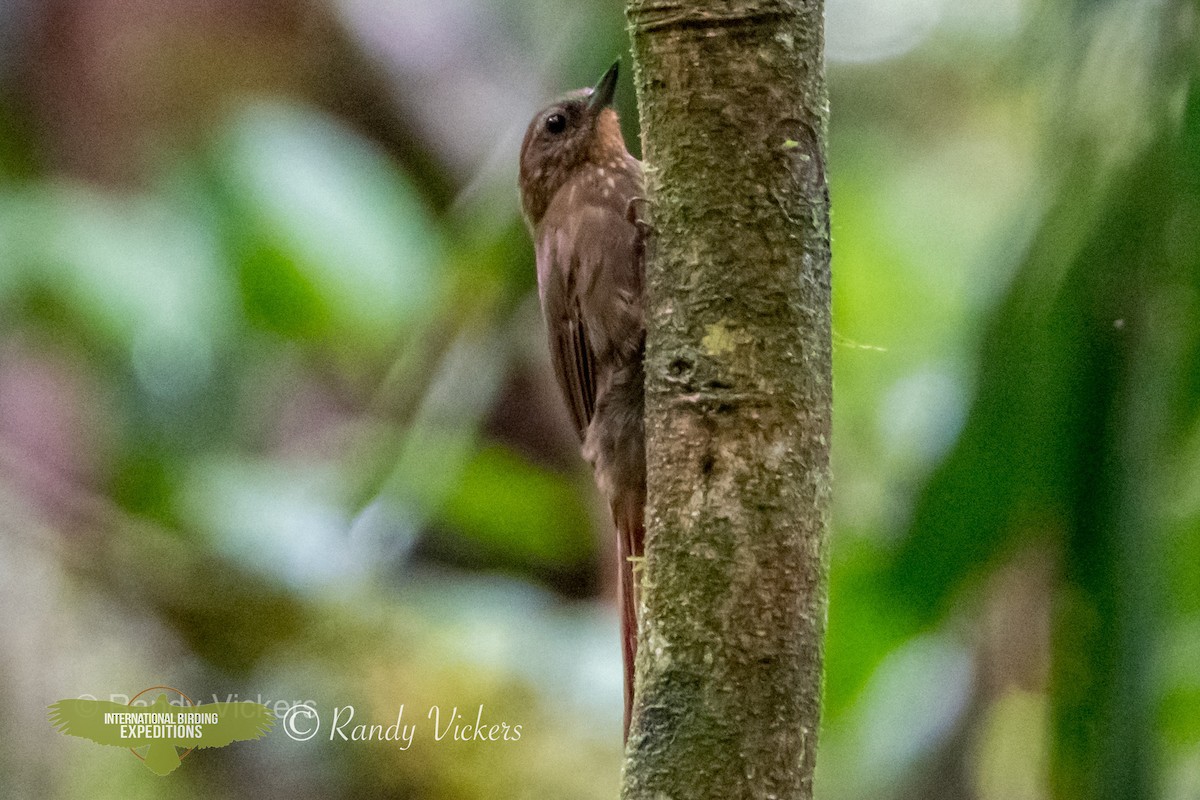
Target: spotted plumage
{"points": [[580, 189]]}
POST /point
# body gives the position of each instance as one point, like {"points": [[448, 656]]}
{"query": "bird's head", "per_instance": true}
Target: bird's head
{"points": [[579, 129]]}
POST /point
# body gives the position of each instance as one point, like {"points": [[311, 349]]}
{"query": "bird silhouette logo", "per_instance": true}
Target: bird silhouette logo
{"points": [[156, 733]]}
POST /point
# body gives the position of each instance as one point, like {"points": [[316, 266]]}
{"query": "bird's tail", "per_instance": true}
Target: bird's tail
{"points": [[630, 537]]}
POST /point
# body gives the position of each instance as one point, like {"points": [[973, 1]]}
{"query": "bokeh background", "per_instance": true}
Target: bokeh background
{"points": [[276, 419]]}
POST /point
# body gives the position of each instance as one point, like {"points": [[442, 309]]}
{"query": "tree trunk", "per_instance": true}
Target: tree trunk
{"points": [[738, 396]]}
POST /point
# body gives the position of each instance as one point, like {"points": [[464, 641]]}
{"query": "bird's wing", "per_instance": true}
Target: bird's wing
{"points": [[590, 282], [571, 351], [577, 373], [236, 722], [85, 718]]}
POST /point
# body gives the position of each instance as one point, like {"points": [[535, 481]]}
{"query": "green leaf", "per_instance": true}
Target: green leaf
{"points": [[519, 510], [140, 270], [331, 237]]}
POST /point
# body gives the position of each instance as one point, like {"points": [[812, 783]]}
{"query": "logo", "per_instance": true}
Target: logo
{"points": [[301, 722], [156, 731]]}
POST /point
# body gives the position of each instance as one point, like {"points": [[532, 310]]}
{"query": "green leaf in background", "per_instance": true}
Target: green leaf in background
{"points": [[140, 271], [1068, 443], [865, 625], [1014, 465], [520, 511], [145, 481], [333, 240]]}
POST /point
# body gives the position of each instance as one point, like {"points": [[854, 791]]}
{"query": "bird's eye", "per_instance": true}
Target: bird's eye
{"points": [[556, 123]]}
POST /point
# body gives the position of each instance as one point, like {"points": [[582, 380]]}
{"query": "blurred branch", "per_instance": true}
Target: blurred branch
{"points": [[1106, 639], [1081, 383]]}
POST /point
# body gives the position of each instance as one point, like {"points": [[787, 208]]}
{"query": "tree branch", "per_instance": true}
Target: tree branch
{"points": [[738, 393]]}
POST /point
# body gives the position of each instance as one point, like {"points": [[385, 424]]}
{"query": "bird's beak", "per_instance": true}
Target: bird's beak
{"points": [[606, 87]]}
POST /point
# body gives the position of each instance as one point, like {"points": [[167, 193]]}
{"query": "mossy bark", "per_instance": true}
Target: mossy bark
{"points": [[738, 391]]}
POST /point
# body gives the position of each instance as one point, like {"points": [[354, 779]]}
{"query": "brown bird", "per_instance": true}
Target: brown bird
{"points": [[579, 191]]}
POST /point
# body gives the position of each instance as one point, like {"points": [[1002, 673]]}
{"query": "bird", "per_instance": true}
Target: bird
{"points": [[582, 197], [234, 721]]}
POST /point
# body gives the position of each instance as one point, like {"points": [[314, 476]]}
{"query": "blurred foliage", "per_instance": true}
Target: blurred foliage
{"points": [[276, 419]]}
